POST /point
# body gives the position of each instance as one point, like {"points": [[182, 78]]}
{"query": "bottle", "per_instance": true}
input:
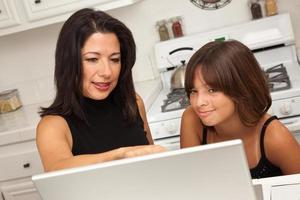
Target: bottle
{"points": [[176, 27], [271, 7], [163, 30], [255, 9]]}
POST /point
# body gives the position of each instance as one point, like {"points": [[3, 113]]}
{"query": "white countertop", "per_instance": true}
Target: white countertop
{"points": [[20, 125], [149, 91]]}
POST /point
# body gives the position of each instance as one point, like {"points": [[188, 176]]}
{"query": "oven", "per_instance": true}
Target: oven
{"points": [[272, 41]]}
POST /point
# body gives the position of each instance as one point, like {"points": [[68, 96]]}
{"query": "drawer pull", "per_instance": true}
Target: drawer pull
{"points": [[26, 165], [37, 1]]}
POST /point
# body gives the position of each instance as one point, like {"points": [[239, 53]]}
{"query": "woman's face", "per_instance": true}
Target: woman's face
{"points": [[212, 107], [101, 60]]}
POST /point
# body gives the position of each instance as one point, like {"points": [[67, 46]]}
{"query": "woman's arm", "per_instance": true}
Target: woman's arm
{"points": [[282, 148], [142, 112], [191, 129], [54, 143]]}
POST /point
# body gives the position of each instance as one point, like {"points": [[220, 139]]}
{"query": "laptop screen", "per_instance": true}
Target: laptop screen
{"points": [[214, 171]]}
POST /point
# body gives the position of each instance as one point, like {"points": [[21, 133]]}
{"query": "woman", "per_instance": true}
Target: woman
{"points": [[96, 115], [229, 99]]}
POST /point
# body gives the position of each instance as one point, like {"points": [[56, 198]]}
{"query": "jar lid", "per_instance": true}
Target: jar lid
{"points": [[161, 22], [8, 93]]}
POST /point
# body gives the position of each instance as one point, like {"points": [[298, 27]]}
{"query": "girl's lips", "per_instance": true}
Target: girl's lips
{"points": [[204, 113], [102, 86]]}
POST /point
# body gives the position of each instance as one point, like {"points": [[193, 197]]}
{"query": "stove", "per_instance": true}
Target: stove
{"points": [[176, 99], [272, 41], [278, 78]]}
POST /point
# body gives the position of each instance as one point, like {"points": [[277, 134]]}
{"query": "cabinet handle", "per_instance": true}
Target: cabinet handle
{"points": [[37, 1], [26, 165]]}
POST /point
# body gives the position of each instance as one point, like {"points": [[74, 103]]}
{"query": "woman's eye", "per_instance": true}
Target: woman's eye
{"points": [[115, 60], [92, 60]]}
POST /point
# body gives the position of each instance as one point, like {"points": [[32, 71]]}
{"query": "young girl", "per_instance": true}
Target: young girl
{"points": [[229, 99]]}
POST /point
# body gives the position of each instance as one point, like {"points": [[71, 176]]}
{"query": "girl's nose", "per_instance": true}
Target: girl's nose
{"points": [[201, 100]]}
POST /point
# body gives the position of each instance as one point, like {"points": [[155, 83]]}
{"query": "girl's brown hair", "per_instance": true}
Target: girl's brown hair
{"points": [[230, 67]]}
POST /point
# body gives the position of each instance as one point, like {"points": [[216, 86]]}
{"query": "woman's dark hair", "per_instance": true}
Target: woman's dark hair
{"points": [[68, 64], [230, 67]]}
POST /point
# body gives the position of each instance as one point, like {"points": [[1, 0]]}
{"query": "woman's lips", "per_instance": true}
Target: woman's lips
{"points": [[102, 86]]}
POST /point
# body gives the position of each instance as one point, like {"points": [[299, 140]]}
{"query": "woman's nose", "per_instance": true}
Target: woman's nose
{"points": [[104, 69]]}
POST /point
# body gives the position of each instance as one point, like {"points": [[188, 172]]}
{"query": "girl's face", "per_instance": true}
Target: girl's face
{"points": [[101, 60], [213, 107]]}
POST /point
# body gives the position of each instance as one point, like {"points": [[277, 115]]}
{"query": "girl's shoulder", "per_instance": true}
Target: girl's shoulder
{"points": [[191, 128], [277, 132], [279, 142]]}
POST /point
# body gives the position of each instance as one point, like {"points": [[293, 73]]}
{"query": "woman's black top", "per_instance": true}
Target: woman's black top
{"points": [[106, 129], [264, 168]]}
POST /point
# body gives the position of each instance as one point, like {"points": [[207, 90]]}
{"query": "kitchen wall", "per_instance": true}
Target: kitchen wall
{"points": [[27, 58]]}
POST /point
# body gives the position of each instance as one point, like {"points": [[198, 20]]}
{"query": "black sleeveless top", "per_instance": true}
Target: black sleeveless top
{"points": [[264, 168], [106, 129]]}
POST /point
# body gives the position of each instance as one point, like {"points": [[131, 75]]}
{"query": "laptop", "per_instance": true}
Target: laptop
{"points": [[211, 172]]}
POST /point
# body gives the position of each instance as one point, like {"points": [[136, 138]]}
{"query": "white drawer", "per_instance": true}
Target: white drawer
{"points": [[289, 192], [20, 165], [24, 190]]}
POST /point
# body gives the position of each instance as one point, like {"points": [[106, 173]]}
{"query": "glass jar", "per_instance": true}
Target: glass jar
{"points": [[163, 30], [255, 9], [271, 7], [176, 27]]}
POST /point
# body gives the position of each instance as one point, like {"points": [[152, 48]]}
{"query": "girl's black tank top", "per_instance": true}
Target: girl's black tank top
{"points": [[264, 168]]}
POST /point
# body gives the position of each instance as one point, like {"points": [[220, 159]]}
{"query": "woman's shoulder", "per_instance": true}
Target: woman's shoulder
{"points": [[51, 123]]}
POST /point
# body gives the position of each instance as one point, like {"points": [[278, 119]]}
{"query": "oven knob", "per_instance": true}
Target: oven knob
{"points": [[171, 128], [285, 109]]}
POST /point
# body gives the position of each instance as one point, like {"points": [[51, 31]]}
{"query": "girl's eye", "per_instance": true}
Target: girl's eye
{"points": [[193, 91], [211, 90]]}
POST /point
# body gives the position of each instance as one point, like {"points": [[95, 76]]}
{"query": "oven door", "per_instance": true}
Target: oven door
{"points": [[293, 124], [171, 143]]}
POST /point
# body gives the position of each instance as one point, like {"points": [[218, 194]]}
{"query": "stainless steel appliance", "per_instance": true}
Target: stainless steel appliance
{"points": [[272, 41]]}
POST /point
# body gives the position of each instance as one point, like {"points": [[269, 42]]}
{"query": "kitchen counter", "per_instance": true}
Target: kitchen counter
{"points": [[148, 90], [20, 125]]}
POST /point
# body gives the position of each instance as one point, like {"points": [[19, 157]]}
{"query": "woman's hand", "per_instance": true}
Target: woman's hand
{"points": [[128, 152]]}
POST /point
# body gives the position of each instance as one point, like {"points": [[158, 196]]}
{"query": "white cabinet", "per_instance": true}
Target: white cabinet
{"points": [[20, 15], [41, 9], [20, 165], [8, 14], [279, 187], [282, 192], [20, 191], [18, 162]]}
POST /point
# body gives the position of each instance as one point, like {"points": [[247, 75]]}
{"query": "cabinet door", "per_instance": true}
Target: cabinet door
{"points": [[20, 191], [8, 14], [42, 9], [19, 165], [289, 192]]}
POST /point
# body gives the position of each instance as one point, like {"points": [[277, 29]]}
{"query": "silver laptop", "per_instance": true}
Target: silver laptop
{"points": [[211, 172]]}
